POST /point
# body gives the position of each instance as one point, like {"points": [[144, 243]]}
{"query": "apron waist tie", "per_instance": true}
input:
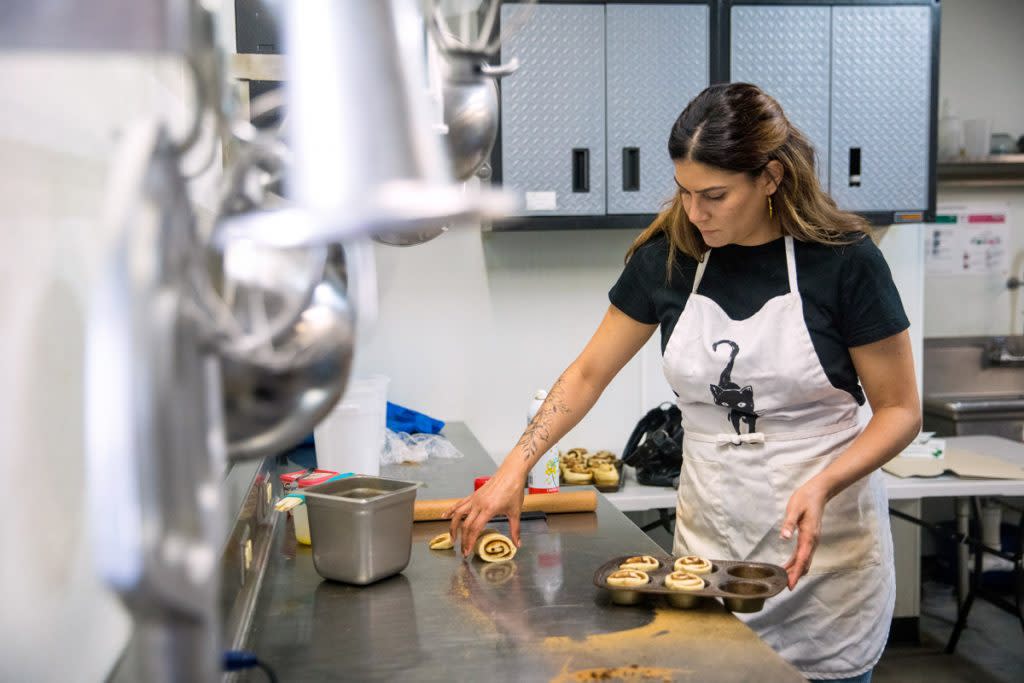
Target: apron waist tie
{"points": [[762, 437], [739, 439]]}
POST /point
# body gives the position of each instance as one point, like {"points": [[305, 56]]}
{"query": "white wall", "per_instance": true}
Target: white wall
{"points": [[58, 121], [982, 53], [472, 324], [982, 56]]}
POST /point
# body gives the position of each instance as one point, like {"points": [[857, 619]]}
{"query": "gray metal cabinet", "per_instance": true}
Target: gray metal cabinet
{"points": [[787, 51], [881, 107], [657, 61], [553, 109], [586, 119], [858, 80], [584, 123]]}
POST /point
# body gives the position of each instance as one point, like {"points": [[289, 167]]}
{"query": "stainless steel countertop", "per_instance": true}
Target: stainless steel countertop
{"points": [[536, 618]]}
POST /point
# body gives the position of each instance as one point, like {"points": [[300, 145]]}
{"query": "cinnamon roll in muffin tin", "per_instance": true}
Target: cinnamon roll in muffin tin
{"points": [[742, 586]]}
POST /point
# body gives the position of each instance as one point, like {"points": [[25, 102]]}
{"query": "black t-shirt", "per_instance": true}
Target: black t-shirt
{"points": [[849, 298]]}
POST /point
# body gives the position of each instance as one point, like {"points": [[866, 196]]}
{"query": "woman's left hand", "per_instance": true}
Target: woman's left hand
{"points": [[803, 516]]}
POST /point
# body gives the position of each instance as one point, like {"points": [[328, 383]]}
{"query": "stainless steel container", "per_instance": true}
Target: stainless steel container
{"points": [[361, 527]]}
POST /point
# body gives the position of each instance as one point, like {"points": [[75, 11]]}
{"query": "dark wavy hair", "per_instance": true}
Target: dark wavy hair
{"points": [[738, 127]]}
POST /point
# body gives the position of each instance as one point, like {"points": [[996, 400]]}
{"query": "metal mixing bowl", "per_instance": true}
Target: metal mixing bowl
{"points": [[270, 405]]}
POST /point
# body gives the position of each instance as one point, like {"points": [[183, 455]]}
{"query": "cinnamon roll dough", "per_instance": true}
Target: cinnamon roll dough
{"points": [[683, 581], [693, 564], [605, 474], [601, 457], [577, 474], [494, 547], [627, 577], [442, 542], [643, 563]]}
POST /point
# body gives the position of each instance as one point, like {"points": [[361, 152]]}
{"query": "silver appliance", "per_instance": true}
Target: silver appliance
{"points": [[202, 348]]}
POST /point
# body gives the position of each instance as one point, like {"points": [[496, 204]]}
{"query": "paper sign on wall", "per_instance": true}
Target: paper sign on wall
{"points": [[968, 240]]}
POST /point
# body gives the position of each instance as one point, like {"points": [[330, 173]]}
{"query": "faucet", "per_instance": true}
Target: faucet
{"points": [[997, 353]]}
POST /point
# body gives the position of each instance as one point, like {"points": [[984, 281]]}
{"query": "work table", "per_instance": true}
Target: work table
{"points": [[537, 617]]}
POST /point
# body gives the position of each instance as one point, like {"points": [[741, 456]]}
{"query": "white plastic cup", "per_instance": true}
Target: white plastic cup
{"points": [[351, 437], [977, 138]]}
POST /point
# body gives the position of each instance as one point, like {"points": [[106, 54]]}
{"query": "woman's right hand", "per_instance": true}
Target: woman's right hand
{"points": [[502, 494]]}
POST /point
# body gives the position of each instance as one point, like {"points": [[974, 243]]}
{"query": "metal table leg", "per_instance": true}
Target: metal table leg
{"points": [[664, 520], [963, 525], [965, 608], [976, 587]]}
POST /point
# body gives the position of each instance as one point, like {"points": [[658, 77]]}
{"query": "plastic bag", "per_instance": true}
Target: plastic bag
{"points": [[400, 447]]}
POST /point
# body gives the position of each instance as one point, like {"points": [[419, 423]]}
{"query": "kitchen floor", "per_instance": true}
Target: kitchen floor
{"points": [[991, 648]]}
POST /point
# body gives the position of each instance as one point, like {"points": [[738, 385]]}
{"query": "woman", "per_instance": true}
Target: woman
{"points": [[775, 309]]}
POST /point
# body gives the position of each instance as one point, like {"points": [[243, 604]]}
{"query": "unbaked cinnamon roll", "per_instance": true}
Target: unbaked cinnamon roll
{"points": [[577, 474], [683, 581], [627, 577], [602, 457], [494, 547], [605, 474], [644, 563], [442, 542], [693, 564]]}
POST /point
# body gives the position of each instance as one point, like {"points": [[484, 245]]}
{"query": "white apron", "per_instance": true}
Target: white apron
{"points": [[761, 418]]}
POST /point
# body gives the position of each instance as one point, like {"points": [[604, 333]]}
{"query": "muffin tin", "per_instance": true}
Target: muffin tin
{"points": [[742, 586]]}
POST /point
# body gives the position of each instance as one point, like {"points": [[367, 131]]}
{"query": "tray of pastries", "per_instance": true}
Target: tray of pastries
{"points": [[600, 469], [686, 582]]}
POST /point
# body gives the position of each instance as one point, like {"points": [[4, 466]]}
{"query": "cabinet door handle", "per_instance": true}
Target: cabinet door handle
{"points": [[630, 169], [581, 170], [855, 167]]}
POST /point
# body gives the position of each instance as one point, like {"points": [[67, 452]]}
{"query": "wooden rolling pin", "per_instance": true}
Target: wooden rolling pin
{"points": [[574, 501]]}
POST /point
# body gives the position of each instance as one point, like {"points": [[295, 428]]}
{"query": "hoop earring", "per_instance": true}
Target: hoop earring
{"points": [[771, 212]]}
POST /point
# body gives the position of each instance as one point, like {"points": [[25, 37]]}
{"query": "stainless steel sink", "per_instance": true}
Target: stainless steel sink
{"points": [[958, 406], [965, 392]]}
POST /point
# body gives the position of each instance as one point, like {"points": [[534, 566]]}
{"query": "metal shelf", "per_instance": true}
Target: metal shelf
{"points": [[998, 170]]}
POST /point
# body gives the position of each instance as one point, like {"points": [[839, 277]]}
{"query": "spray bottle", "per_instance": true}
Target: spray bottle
{"points": [[543, 477]]}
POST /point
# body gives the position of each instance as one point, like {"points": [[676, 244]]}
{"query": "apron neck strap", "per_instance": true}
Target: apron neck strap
{"points": [[791, 264], [701, 265], [790, 267]]}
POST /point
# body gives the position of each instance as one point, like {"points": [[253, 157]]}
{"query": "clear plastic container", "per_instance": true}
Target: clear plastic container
{"points": [[351, 437]]}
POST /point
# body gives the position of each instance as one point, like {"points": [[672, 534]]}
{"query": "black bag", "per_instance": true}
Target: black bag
{"points": [[655, 448]]}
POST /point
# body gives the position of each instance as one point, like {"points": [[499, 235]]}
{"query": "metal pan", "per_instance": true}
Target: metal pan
{"points": [[742, 586]]}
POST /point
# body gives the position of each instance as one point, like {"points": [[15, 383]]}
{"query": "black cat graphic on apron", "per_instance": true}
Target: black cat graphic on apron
{"points": [[727, 393]]}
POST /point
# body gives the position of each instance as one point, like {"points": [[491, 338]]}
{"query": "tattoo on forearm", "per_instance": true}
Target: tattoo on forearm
{"points": [[539, 430]]}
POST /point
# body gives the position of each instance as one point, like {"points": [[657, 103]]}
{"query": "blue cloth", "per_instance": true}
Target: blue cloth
{"points": [[863, 678], [402, 419], [304, 454]]}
